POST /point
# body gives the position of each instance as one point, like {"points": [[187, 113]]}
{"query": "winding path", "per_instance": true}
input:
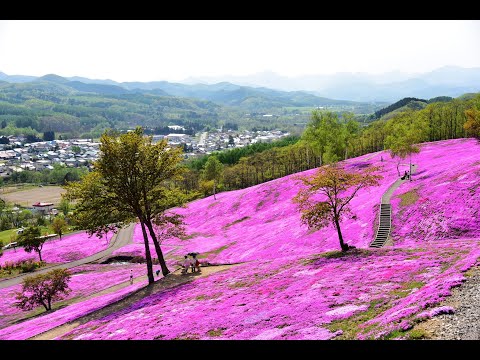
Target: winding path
{"points": [[385, 218], [122, 238]]}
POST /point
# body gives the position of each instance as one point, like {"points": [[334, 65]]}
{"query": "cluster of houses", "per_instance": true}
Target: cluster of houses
{"points": [[20, 156], [43, 155], [208, 142], [220, 140]]}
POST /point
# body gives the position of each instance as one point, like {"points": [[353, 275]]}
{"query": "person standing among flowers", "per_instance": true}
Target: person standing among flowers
{"points": [[195, 263], [131, 277], [186, 264]]}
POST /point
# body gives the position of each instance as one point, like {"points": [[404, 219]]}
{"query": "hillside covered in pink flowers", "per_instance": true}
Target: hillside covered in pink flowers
{"points": [[289, 282]]}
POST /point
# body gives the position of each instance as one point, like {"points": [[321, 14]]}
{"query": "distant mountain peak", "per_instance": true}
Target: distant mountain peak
{"points": [[54, 78]]}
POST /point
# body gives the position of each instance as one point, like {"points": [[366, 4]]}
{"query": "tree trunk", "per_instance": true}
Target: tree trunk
{"points": [[161, 260], [340, 237], [40, 255], [410, 173], [49, 304], [151, 280], [214, 190], [44, 305], [398, 170]]}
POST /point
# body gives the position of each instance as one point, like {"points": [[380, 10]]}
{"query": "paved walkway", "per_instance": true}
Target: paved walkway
{"points": [[122, 238], [388, 194]]}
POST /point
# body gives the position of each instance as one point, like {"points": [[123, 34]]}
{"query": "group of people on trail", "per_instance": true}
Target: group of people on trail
{"points": [[406, 175], [191, 263], [187, 263]]}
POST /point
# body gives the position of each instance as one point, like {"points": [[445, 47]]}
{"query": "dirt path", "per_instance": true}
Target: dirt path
{"points": [[122, 238], [172, 280]]}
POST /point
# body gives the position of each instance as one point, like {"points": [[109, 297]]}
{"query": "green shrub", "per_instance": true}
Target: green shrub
{"points": [[28, 266]]}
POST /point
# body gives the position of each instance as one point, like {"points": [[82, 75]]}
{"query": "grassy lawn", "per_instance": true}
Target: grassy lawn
{"points": [[6, 234]]}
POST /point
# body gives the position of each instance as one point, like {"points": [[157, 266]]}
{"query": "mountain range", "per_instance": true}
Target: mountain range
{"points": [[306, 90], [222, 93], [445, 81]]}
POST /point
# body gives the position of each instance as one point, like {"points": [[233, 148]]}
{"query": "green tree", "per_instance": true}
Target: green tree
{"points": [[472, 125], [133, 178], [65, 206], [402, 143], [337, 187], [231, 141], [213, 171], [43, 289], [59, 225], [323, 134], [31, 240], [48, 135], [350, 131]]}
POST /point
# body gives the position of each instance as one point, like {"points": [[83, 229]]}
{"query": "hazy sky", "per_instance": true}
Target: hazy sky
{"points": [[175, 50]]}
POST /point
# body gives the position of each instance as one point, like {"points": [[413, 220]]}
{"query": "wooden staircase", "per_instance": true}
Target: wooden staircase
{"points": [[384, 226]]}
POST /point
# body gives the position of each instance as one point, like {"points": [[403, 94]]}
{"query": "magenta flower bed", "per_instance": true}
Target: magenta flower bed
{"points": [[47, 322], [447, 192], [70, 248], [285, 291], [86, 280], [261, 222], [290, 299]]}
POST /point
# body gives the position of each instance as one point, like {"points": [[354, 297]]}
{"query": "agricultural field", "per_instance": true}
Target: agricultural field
{"points": [[31, 195]]}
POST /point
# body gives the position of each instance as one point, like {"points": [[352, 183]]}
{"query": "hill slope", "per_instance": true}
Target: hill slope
{"points": [[287, 289], [287, 286]]}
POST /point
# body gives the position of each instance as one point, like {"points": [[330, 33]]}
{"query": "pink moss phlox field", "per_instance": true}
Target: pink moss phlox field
{"points": [[436, 311], [262, 222], [446, 193], [86, 281], [290, 299], [72, 247], [286, 287]]}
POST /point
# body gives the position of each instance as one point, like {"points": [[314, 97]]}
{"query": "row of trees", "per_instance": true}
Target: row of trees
{"points": [[59, 175]]}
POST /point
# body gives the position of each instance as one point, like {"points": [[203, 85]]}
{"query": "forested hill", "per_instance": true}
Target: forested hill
{"points": [[42, 105], [401, 103], [224, 93], [77, 108]]}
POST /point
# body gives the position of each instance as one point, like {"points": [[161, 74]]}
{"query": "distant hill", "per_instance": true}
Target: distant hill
{"points": [[85, 110], [446, 81], [16, 78], [250, 98], [467, 96], [413, 102], [440, 99], [223, 93]]}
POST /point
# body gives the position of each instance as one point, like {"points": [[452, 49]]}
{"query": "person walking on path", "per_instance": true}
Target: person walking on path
{"points": [[131, 277]]}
